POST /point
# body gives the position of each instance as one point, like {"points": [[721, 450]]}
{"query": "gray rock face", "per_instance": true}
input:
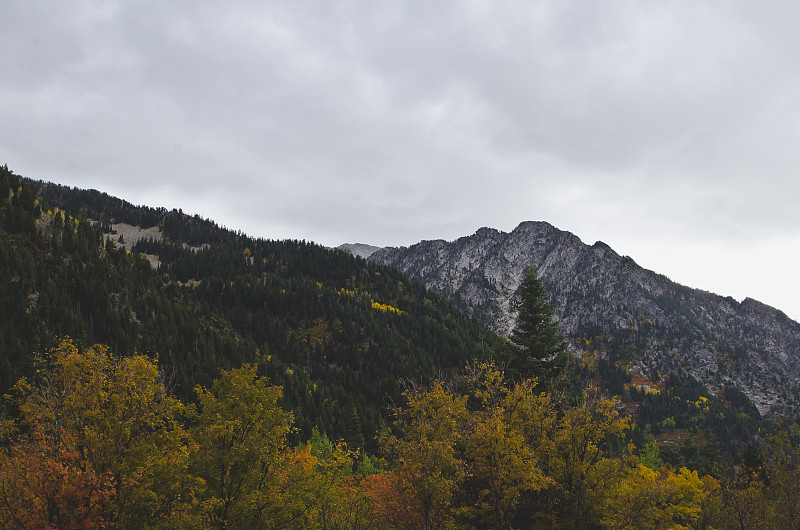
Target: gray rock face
{"points": [[654, 324], [359, 249]]}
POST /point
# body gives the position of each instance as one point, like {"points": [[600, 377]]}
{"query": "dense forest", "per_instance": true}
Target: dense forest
{"points": [[335, 332], [254, 383]]}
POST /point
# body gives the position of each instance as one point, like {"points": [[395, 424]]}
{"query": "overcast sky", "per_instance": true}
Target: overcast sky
{"points": [[669, 130]]}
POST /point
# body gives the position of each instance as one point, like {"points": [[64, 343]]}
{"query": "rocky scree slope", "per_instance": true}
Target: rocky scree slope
{"points": [[610, 306]]}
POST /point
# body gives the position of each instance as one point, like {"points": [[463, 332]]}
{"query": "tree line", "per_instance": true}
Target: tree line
{"points": [[99, 442]]}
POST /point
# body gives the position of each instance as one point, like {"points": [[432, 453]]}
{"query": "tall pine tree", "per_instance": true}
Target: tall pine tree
{"points": [[537, 347]]}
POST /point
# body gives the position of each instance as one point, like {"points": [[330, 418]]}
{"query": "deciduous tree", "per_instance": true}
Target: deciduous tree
{"points": [[429, 468], [253, 479], [110, 420]]}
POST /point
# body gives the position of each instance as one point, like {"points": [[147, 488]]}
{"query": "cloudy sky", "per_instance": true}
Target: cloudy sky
{"points": [[669, 130]]}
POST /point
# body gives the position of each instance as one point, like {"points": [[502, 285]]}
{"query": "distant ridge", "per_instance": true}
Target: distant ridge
{"points": [[359, 249]]}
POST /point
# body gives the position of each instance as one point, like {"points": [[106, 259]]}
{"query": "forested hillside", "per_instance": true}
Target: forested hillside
{"points": [[337, 333], [215, 380]]}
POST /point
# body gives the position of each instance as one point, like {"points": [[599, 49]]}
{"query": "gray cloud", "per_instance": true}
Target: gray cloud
{"points": [[660, 128]]}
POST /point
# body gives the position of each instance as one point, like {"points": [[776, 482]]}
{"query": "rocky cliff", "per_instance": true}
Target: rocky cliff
{"points": [[610, 306], [359, 249]]}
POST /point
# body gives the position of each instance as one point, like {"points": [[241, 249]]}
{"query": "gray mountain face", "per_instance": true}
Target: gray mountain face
{"points": [[359, 249], [608, 305]]}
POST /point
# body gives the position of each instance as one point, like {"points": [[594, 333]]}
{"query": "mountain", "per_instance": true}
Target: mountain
{"points": [[359, 249], [340, 335], [610, 306]]}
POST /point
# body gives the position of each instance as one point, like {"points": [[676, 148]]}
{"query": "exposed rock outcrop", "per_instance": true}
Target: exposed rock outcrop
{"points": [[359, 249], [654, 324]]}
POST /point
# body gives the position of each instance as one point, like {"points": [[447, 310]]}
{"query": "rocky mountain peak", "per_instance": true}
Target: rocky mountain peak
{"points": [[359, 249], [486, 232], [657, 326]]}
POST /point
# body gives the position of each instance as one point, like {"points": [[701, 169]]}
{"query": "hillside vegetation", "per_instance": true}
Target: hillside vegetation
{"points": [[337, 333], [200, 378]]}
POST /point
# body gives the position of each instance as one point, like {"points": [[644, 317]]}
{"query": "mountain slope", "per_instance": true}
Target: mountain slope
{"points": [[607, 303], [336, 332]]}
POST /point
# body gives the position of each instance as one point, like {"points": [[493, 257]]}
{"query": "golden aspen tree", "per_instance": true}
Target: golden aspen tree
{"points": [[112, 417], [242, 457], [429, 467], [503, 465], [662, 498]]}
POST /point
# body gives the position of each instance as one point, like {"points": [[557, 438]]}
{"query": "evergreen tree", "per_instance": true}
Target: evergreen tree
{"points": [[537, 347], [355, 434]]}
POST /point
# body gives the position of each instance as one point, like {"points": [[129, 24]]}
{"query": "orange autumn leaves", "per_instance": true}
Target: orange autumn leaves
{"points": [[110, 429], [100, 443]]}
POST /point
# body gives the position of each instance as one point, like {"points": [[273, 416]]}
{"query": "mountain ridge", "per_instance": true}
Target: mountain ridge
{"points": [[656, 325]]}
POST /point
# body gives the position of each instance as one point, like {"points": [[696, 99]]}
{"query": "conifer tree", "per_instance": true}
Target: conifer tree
{"points": [[537, 347]]}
